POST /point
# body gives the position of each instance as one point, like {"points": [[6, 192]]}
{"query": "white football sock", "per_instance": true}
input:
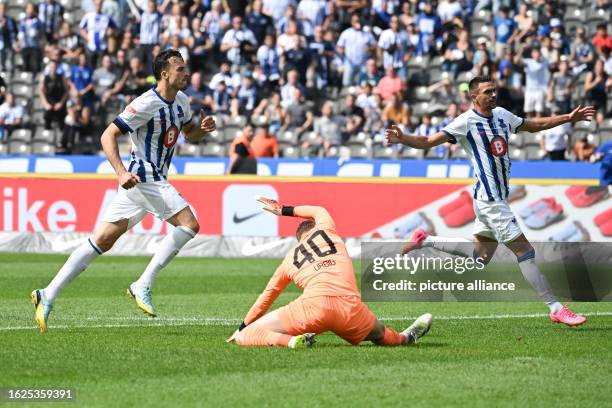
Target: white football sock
{"points": [[537, 280], [456, 246], [169, 247], [76, 263]]}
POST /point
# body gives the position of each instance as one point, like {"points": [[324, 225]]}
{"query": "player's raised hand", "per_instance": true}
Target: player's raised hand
{"points": [[582, 113], [270, 205], [128, 180], [208, 124], [393, 135]]}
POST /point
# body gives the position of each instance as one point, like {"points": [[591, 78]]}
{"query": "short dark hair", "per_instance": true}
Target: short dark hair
{"points": [[304, 227], [476, 81], [161, 61]]}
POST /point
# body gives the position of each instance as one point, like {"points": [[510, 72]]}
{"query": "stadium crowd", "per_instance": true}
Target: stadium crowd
{"points": [[309, 78]]}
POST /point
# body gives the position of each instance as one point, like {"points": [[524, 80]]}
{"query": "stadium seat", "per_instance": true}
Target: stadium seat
{"points": [[421, 94], [529, 139], [188, 150], [290, 152], [44, 135], [606, 125], [334, 151], [215, 137], [599, 16], [18, 147], [24, 135], [458, 154], [605, 135], [230, 133], [464, 76], [483, 16], [22, 90], [516, 140], [534, 153], [433, 154], [594, 139], [409, 153], [584, 125], [289, 138], [418, 62], [42, 148], [23, 78], [419, 109], [238, 121], [213, 150], [517, 154], [360, 139], [259, 120], [219, 120], [360, 152], [381, 152], [3, 149]]}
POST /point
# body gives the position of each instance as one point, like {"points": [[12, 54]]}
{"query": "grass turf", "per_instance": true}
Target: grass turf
{"points": [[102, 346]]}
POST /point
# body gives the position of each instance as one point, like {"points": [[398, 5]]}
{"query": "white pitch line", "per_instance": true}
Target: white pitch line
{"points": [[220, 321]]}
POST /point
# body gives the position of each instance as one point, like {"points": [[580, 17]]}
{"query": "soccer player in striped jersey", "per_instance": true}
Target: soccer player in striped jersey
{"points": [[154, 121], [483, 132]]}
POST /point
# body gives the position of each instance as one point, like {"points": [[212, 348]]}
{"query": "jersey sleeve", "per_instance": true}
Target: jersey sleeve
{"points": [[456, 129], [513, 121], [279, 281], [133, 117]]}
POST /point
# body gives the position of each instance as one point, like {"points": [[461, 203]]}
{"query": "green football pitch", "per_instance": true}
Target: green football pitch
{"points": [[476, 354]]}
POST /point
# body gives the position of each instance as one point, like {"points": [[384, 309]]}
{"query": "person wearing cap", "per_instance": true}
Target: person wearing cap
{"points": [[504, 33]]}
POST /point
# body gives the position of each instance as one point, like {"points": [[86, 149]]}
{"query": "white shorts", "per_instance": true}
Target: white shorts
{"points": [[496, 220], [534, 101], [159, 198]]}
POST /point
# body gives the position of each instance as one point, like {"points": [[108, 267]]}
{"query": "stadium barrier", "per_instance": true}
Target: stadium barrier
{"points": [[51, 213]]}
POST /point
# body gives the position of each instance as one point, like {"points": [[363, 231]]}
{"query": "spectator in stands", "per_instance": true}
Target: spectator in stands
{"points": [[134, 80], [298, 115], [327, 129], [374, 113], [321, 53], [276, 8], [81, 83], [354, 45], [30, 40], [597, 86], [76, 124], [582, 54], [583, 149], [247, 98], [483, 66], [199, 45], [151, 26], [464, 101], [259, 23], [53, 92], [459, 55], [505, 32], [105, 79], [265, 144], [196, 92], [220, 100], [443, 93], [292, 49], [8, 39], [352, 117], [396, 112], [11, 116], [312, 10], [393, 48], [382, 11], [232, 82], [95, 28], [604, 155], [447, 10], [239, 43], [524, 23], [2, 89], [69, 42], [426, 129], [272, 110], [241, 157], [51, 15], [554, 141], [270, 64], [288, 90], [560, 89], [215, 22], [536, 75], [390, 84], [366, 98], [370, 74], [602, 39], [429, 26]]}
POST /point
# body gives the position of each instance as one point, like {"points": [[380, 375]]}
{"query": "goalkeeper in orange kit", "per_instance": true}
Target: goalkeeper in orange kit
{"points": [[320, 265]]}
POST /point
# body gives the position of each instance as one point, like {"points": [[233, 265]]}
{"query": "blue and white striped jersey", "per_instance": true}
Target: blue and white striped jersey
{"points": [[97, 25], [154, 124], [485, 140], [150, 28], [50, 15]]}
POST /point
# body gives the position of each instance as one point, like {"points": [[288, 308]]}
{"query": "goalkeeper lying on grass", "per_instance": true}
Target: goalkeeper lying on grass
{"points": [[320, 265]]}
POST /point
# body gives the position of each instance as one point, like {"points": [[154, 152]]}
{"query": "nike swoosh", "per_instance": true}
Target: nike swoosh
{"points": [[238, 220], [59, 245], [249, 249]]}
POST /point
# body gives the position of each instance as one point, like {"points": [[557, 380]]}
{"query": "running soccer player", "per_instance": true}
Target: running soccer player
{"points": [[319, 264], [154, 121], [483, 132]]}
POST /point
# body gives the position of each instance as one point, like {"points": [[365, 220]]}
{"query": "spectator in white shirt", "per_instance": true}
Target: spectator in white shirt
{"points": [[393, 44], [11, 116], [536, 81], [238, 42], [554, 141], [355, 46]]}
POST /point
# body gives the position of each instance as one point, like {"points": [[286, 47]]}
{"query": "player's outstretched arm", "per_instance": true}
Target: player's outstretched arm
{"points": [[194, 133], [394, 135], [110, 146], [537, 124], [319, 214]]}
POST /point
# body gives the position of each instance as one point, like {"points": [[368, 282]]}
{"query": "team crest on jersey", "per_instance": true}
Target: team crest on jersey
{"points": [[171, 136], [499, 147]]}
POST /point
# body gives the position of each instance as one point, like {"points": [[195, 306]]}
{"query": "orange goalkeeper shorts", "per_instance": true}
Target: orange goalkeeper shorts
{"points": [[346, 316]]}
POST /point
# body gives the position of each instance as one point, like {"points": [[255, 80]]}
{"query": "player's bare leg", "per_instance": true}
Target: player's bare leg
{"points": [[187, 227], [269, 330], [525, 253], [103, 240], [384, 336]]}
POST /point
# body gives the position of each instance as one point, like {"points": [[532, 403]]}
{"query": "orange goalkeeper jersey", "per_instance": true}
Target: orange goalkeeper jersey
{"points": [[319, 264]]}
